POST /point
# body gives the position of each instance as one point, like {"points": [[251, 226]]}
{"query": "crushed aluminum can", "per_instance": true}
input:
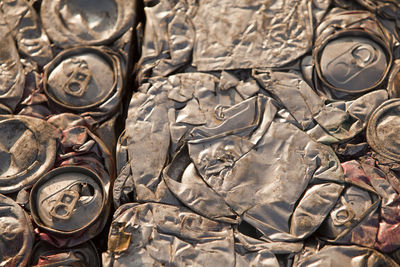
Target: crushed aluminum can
{"points": [[250, 250], [25, 24], [160, 118], [231, 155], [383, 128], [16, 234], [328, 123], [354, 205], [69, 204], [388, 9], [80, 146], [12, 77], [28, 150], [367, 214], [46, 255], [352, 256], [352, 54], [70, 23], [200, 33], [157, 234], [85, 80]]}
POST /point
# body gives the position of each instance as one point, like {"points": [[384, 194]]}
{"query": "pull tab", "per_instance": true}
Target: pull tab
{"points": [[63, 209], [119, 240], [220, 112], [79, 78], [342, 215]]}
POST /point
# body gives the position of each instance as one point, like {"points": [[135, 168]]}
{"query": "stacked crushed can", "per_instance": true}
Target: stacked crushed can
{"points": [[251, 133]]}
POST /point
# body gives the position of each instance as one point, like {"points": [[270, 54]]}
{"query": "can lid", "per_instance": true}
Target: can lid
{"points": [[349, 209], [383, 129], [27, 151], [16, 234], [81, 78], [353, 61], [86, 22], [45, 254], [67, 199]]}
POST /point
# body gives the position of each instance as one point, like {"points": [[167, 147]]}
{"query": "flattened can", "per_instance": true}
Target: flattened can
{"points": [[12, 77], [352, 53], [22, 18], [383, 129], [353, 61], [69, 204], [27, 151], [16, 234], [85, 80], [44, 254], [78, 22]]}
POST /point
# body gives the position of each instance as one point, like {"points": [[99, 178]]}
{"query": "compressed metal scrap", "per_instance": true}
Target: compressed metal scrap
{"points": [[221, 35], [226, 142], [158, 234]]}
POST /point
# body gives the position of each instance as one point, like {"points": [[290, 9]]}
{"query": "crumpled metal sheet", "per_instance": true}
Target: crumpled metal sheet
{"points": [[368, 214], [160, 118], [16, 234], [78, 23], [157, 234], [327, 123], [232, 156], [353, 256], [214, 31], [44, 254], [227, 142], [25, 25], [12, 78]]}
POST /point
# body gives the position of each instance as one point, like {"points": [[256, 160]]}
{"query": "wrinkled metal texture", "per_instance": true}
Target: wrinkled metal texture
{"points": [[344, 256], [211, 35], [25, 24], [44, 254], [262, 133], [16, 234], [12, 79], [157, 234], [70, 23]]}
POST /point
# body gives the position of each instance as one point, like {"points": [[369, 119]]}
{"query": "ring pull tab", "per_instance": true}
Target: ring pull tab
{"points": [[64, 207], [342, 215], [78, 79]]}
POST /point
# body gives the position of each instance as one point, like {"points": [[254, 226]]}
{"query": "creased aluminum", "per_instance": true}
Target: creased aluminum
{"points": [[44, 254], [327, 123], [353, 256], [367, 212], [156, 234], [211, 35], [230, 158], [25, 24], [12, 78], [160, 118], [70, 23], [16, 234]]}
